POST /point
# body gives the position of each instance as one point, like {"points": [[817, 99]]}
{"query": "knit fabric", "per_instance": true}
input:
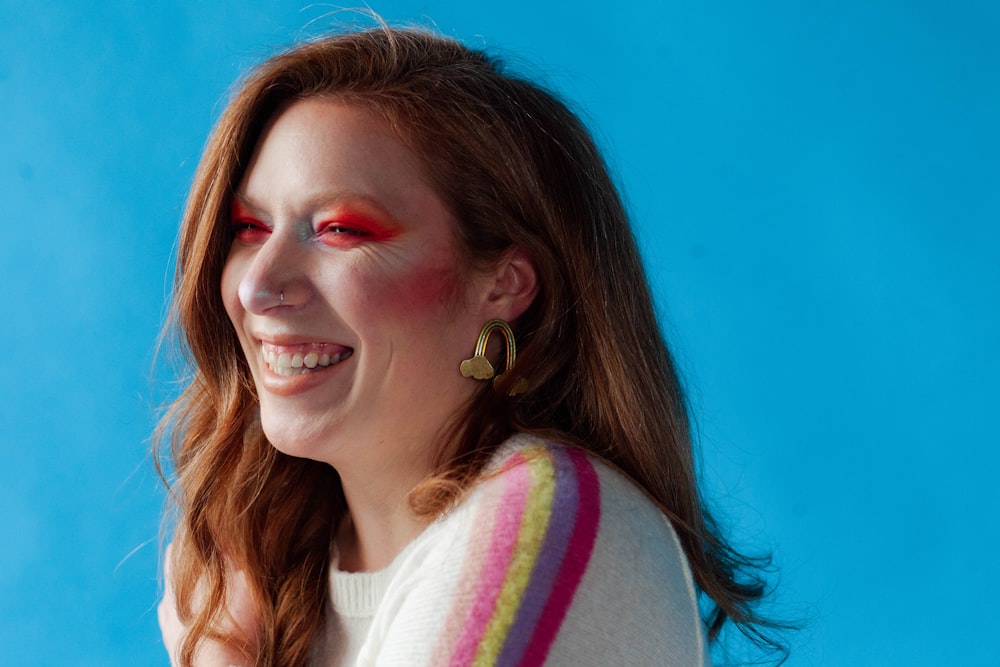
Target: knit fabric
{"points": [[553, 559]]}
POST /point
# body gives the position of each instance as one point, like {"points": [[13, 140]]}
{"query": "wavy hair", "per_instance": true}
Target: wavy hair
{"points": [[515, 167]]}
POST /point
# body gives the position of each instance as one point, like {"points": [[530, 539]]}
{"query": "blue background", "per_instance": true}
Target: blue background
{"points": [[815, 187]]}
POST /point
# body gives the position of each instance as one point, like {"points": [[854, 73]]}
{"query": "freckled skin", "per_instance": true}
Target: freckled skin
{"points": [[335, 213]]}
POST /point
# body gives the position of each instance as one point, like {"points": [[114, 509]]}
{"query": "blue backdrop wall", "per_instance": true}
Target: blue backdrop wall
{"points": [[815, 187]]}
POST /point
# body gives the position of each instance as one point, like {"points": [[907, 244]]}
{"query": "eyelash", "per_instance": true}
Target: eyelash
{"points": [[242, 228], [338, 229]]}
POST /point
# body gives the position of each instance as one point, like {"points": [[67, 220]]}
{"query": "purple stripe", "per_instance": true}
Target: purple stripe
{"points": [[562, 517]]}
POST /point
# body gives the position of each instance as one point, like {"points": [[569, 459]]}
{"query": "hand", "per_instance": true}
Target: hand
{"points": [[210, 653]]}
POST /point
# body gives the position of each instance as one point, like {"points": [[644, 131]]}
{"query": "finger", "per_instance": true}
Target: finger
{"points": [[168, 562]]}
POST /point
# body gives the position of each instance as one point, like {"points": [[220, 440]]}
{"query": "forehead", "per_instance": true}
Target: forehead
{"points": [[320, 148]]}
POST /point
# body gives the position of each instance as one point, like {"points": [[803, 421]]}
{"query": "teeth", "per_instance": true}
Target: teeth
{"points": [[287, 364]]}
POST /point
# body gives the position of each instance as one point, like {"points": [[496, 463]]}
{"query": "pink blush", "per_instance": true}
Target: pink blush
{"points": [[428, 289]]}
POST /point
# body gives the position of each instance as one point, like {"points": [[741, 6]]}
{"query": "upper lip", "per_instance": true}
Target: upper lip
{"points": [[293, 346], [289, 340]]}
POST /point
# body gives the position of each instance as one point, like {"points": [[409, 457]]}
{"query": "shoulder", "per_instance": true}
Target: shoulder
{"points": [[549, 496], [552, 558], [567, 558]]}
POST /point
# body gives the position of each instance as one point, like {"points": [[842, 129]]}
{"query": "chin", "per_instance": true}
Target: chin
{"points": [[296, 442]]}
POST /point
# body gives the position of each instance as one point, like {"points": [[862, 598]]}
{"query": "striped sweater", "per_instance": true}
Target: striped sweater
{"points": [[554, 559]]}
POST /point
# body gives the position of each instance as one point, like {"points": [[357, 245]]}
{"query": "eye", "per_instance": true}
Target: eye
{"points": [[346, 233], [339, 229], [349, 227], [247, 230]]}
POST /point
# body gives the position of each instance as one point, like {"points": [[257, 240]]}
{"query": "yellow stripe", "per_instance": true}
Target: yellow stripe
{"points": [[531, 535]]}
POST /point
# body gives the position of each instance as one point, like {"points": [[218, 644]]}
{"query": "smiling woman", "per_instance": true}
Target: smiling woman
{"points": [[341, 249], [371, 212]]}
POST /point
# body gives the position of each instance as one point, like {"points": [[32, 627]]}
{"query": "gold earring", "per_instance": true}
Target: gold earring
{"points": [[480, 368]]}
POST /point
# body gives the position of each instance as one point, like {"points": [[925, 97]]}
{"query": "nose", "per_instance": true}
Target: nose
{"points": [[275, 276]]}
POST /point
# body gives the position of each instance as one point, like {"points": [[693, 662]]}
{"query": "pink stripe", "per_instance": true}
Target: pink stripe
{"points": [[466, 589], [578, 554], [510, 509]]}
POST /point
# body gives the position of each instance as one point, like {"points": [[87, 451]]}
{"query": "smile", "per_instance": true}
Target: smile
{"points": [[287, 360]]}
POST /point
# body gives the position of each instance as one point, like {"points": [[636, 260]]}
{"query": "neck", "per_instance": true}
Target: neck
{"points": [[379, 523]]}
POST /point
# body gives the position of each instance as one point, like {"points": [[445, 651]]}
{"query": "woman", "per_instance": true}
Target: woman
{"points": [[431, 419]]}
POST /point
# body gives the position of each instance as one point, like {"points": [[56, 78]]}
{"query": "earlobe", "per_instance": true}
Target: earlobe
{"points": [[516, 284]]}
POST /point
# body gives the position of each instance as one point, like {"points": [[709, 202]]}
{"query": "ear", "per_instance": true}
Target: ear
{"points": [[515, 285]]}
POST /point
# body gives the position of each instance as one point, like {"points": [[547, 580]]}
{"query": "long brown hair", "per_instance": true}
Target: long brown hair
{"points": [[516, 168]]}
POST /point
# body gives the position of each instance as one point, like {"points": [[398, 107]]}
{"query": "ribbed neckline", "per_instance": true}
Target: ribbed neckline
{"points": [[358, 594]]}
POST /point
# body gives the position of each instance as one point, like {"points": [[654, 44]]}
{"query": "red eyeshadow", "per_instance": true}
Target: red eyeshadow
{"points": [[237, 212], [368, 228], [247, 227]]}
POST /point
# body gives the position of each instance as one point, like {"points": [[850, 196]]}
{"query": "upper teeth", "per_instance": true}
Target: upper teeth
{"points": [[285, 363]]}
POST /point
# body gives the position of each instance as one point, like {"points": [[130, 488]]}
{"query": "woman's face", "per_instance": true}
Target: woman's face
{"points": [[347, 291]]}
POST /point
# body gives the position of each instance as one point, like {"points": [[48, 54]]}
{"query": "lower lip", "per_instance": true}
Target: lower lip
{"points": [[290, 385]]}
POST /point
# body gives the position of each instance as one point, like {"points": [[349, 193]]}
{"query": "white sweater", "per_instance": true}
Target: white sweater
{"points": [[553, 559]]}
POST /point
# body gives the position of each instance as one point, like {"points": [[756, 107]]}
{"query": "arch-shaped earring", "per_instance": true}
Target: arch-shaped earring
{"points": [[480, 368]]}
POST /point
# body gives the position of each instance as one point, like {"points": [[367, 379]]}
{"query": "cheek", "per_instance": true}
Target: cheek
{"points": [[229, 289], [418, 294], [431, 290]]}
